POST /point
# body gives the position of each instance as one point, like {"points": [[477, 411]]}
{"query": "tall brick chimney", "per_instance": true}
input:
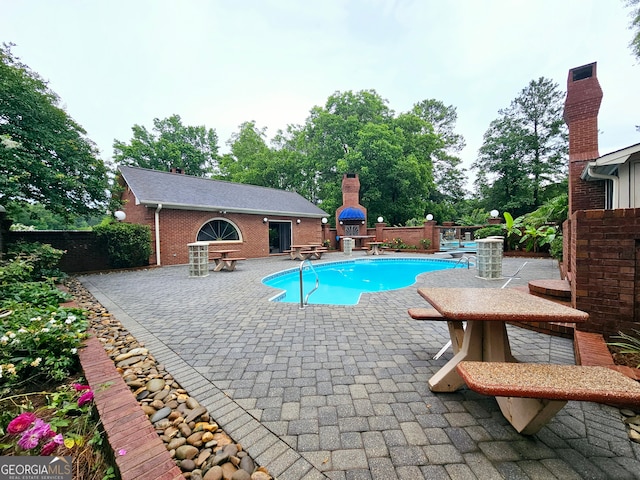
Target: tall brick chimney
{"points": [[350, 189], [581, 107]]}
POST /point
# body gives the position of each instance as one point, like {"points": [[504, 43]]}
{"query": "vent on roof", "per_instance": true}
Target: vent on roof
{"points": [[581, 73]]}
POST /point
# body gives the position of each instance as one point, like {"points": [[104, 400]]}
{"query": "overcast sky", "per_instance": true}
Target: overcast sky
{"points": [[219, 63]]}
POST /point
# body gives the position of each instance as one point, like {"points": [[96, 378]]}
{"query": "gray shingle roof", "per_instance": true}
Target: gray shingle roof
{"points": [[173, 190]]}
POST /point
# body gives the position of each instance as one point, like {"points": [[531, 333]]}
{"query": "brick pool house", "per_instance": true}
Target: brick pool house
{"points": [[181, 209], [601, 255]]}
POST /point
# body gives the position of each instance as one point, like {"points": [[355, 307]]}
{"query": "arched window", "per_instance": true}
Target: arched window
{"points": [[218, 230]]}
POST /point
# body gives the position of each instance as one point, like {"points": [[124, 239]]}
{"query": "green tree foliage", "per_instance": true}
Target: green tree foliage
{"points": [[357, 132], [170, 145], [524, 150], [45, 155], [252, 161], [37, 216], [635, 26]]}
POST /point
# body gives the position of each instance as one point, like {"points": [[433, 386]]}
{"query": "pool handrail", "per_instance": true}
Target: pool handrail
{"points": [[305, 300]]}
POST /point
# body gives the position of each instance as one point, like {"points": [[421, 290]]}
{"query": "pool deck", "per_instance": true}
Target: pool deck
{"points": [[341, 392]]}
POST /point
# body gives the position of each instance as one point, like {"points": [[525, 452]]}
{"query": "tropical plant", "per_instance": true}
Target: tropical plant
{"points": [[628, 344]]}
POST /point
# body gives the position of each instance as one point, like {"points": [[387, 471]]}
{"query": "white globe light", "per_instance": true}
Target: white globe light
{"points": [[429, 217], [120, 215], [324, 220], [494, 213], [380, 219]]}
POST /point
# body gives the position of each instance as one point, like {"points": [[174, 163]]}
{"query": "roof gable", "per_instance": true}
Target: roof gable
{"points": [[186, 192]]}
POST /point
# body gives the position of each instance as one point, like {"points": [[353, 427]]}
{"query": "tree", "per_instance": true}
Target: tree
{"points": [[635, 25], [252, 161], [357, 132], [448, 175], [45, 156], [524, 150], [170, 145]]}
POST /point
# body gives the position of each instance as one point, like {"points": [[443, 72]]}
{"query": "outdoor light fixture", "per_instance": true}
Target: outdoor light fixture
{"points": [[494, 213], [265, 220], [324, 220], [380, 219], [298, 221], [363, 222], [429, 217], [120, 215], [340, 222]]}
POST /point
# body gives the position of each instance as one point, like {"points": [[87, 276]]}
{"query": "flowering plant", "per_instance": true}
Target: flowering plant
{"points": [[40, 342], [34, 432]]}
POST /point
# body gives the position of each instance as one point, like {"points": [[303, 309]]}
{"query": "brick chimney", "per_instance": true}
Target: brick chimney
{"points": [[581, 107], [350, 189]]}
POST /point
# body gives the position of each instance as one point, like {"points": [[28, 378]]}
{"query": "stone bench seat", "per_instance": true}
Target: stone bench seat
{"points": [[425, 314], [456, 327], [530, 394]]}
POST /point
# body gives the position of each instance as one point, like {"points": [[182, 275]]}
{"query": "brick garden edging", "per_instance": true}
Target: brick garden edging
{"points": [[128, 429]]}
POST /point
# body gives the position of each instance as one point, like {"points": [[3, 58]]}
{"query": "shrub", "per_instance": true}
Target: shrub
{"points": [[127, 244], [42, 257], [490, 231], [425, 243]]}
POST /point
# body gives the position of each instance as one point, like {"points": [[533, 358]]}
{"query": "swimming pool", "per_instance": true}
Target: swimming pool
{"points": [[342, 283]]}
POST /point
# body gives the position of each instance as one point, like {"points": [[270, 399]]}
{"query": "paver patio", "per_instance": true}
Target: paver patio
{"points": [[341, 392]]}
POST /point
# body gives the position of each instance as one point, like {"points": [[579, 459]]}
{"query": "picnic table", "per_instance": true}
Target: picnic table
{"points": [[223, 261], [305, 251], [375, 248], [484, 358]]}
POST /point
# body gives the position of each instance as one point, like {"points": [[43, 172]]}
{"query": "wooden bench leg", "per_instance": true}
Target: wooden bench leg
{"points": [[456, 332], [529, 415], [482, 341], [447, 378], [219, 265]]}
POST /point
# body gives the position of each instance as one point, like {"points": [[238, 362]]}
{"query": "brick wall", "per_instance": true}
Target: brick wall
{"points": [[178, 228], [605, 265]]}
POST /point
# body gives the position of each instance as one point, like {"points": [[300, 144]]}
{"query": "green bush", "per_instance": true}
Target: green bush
{"points": [[42, 257], [127, 244], [555, 248], [490, 231]]}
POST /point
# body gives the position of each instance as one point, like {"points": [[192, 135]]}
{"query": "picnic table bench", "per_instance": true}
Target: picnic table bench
{"points": [[529, 394], [456, 328]]}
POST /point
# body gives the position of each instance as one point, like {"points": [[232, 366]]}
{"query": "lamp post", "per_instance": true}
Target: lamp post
{"points": [[120, 215]]}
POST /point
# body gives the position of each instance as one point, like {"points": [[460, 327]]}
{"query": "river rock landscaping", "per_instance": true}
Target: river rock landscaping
{"points": [[199, 446]]}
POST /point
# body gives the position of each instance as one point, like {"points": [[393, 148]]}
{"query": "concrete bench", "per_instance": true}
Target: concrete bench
{"points": [[227, 263], [530, 394], [456, 328]]}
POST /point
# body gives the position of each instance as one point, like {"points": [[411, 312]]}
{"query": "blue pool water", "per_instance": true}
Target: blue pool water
{"points": [[462, 246], [342, 283]]}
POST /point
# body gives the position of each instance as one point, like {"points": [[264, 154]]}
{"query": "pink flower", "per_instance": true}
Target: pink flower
{"points": [[58, 439], [80, 387], [85, 398], [21, 423], [48, 449], [31, 437]]}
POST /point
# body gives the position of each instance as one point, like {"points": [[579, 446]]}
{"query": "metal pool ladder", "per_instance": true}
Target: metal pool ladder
{"points": [[305, 300], [466, 259]]}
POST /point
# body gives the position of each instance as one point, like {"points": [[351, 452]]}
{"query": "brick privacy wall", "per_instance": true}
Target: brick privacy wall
{"points": [[83, 254], [605, 264]]}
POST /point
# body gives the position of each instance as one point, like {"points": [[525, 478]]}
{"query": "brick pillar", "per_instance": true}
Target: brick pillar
{"points": [[581, 107], [432, 233]]}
